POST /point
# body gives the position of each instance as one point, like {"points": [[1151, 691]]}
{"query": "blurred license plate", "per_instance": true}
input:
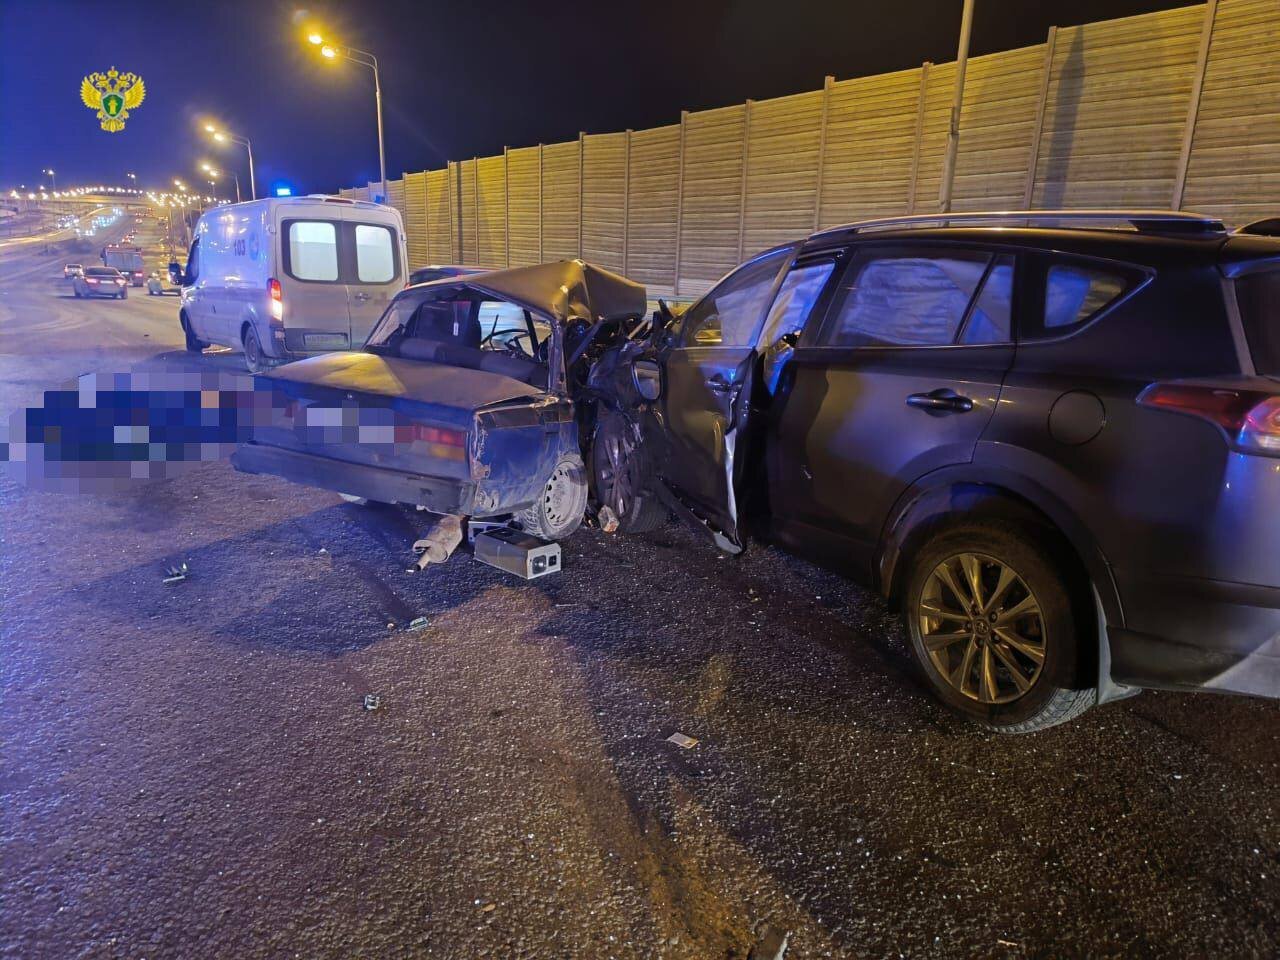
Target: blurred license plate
{"points": [[325, 341]]}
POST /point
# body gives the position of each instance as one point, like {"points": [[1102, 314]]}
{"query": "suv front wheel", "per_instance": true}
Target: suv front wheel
{"points": [[993, 628]]}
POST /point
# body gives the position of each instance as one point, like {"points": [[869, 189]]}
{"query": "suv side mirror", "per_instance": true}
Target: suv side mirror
{"points": [[646, 377]]}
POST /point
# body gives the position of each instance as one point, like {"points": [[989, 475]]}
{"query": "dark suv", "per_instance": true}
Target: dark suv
{"points": [[1053, 439]]}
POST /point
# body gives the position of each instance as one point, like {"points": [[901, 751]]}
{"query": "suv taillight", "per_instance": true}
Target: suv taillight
{"points": [[1250, 419], [277, 300]]}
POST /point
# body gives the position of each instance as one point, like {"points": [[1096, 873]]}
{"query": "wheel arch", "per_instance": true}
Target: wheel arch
{"points": [[952, 496]]}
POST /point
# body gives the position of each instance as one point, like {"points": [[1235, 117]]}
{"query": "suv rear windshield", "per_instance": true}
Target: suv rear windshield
{"points": [[1259, 297]]}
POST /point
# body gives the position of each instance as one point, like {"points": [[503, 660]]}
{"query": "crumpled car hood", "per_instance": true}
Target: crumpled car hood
{"points": [[564, 290]]}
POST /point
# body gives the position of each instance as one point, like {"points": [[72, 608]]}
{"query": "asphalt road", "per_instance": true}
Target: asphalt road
{"points": [[188, 770]]}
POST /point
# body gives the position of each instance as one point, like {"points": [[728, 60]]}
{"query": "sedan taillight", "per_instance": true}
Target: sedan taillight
{"points": [[1249, 418]]}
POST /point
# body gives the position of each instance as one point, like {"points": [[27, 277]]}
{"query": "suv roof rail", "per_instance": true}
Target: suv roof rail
{"points": [[1143, 221]]}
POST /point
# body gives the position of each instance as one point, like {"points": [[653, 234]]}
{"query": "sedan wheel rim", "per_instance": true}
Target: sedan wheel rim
{"points": [[559, 496], [982, 628]]}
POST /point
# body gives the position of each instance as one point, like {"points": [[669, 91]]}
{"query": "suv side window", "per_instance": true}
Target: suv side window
{"points": [[921, 297], [730, 314], [1074, 293]]}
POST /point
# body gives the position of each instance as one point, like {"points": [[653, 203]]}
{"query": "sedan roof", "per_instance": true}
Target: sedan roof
{"points": [[564, 290]]}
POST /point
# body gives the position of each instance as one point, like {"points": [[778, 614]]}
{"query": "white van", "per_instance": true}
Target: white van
{"points": [[289, 277]]}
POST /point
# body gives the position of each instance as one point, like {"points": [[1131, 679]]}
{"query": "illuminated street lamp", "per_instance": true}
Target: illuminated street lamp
{"points": [[133, 177], [331, 51], [214, 172], [52, 178], [223, 136]]}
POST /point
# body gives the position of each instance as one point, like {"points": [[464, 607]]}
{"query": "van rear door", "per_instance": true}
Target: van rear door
{"points": [[313, 289], [376, 272]]}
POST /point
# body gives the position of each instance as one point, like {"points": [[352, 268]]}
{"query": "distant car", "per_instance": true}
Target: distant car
{"points": [[441, 272], [155, 286], [101, 282], [72, 270]]}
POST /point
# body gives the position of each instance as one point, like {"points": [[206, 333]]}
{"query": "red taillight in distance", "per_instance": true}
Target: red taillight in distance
{"points": [[277, 300], [1249, 418]]}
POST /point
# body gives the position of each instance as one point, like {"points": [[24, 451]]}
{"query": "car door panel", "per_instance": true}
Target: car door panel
{"points": [[853, 426]]}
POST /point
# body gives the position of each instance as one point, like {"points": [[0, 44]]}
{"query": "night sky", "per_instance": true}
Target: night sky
{"points": [[459, 79]]}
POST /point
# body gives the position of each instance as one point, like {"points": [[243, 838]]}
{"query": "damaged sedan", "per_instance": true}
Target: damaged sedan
{"points": [[464, 400]]}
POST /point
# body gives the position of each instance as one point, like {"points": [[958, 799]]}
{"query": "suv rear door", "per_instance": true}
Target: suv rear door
{"points": [[899, 378]]}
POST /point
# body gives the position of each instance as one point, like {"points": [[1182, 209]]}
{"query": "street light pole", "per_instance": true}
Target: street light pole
{"points": [[330, 51], [54, 179], [220, 136], [957, 101]]}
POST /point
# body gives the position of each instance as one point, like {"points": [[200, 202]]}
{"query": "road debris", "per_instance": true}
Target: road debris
{"points": [[680, 740], [517, 552], [372, 701], [419, 623], [177, 574], [772, 944], [608, 520], [439, 543], [489, 908]]}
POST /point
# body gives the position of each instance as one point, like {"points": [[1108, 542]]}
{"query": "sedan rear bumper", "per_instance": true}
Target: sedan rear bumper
{"points": [[1198, 634], [437, 494]]}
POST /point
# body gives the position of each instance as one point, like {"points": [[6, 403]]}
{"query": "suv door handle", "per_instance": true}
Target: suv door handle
{"points": [[940, 402], [719, 384]]}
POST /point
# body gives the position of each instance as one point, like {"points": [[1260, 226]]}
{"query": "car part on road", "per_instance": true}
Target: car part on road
{"points": [[439, 543], [607, 519], [519, 553], [176, 574], [682, 741], [993, 628], [477, 527], [418, 623], [558, 512], [372, 701]]}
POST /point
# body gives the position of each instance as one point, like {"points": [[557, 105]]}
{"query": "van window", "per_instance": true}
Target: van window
{"points": [[375, 254], [1259, 298], [313, 250], [193, 260]]}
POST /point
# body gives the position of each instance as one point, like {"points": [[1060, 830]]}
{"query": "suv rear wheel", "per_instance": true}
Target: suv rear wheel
{"points": [[558, 512], [992, 627]]}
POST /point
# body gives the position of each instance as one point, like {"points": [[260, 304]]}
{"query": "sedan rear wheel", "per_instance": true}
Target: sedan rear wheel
{"points": [[993, 628], [558, 512]]}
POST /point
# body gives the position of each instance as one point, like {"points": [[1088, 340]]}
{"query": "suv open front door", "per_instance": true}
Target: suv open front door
{"points": [[706, 395]]}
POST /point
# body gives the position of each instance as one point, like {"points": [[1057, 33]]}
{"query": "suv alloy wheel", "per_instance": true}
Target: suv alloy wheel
{"points": [[993, 628]]}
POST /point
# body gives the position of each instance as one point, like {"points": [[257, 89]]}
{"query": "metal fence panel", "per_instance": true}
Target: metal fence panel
{"points": [[439, 234], [997, 122], [711, 196], [604, 199], [560, 198], [1118, 95], [870, 139], [652, 201], [524, 200], [491, 212], [782, 170], [1234, 168], [466, 204], [415, 218]]}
